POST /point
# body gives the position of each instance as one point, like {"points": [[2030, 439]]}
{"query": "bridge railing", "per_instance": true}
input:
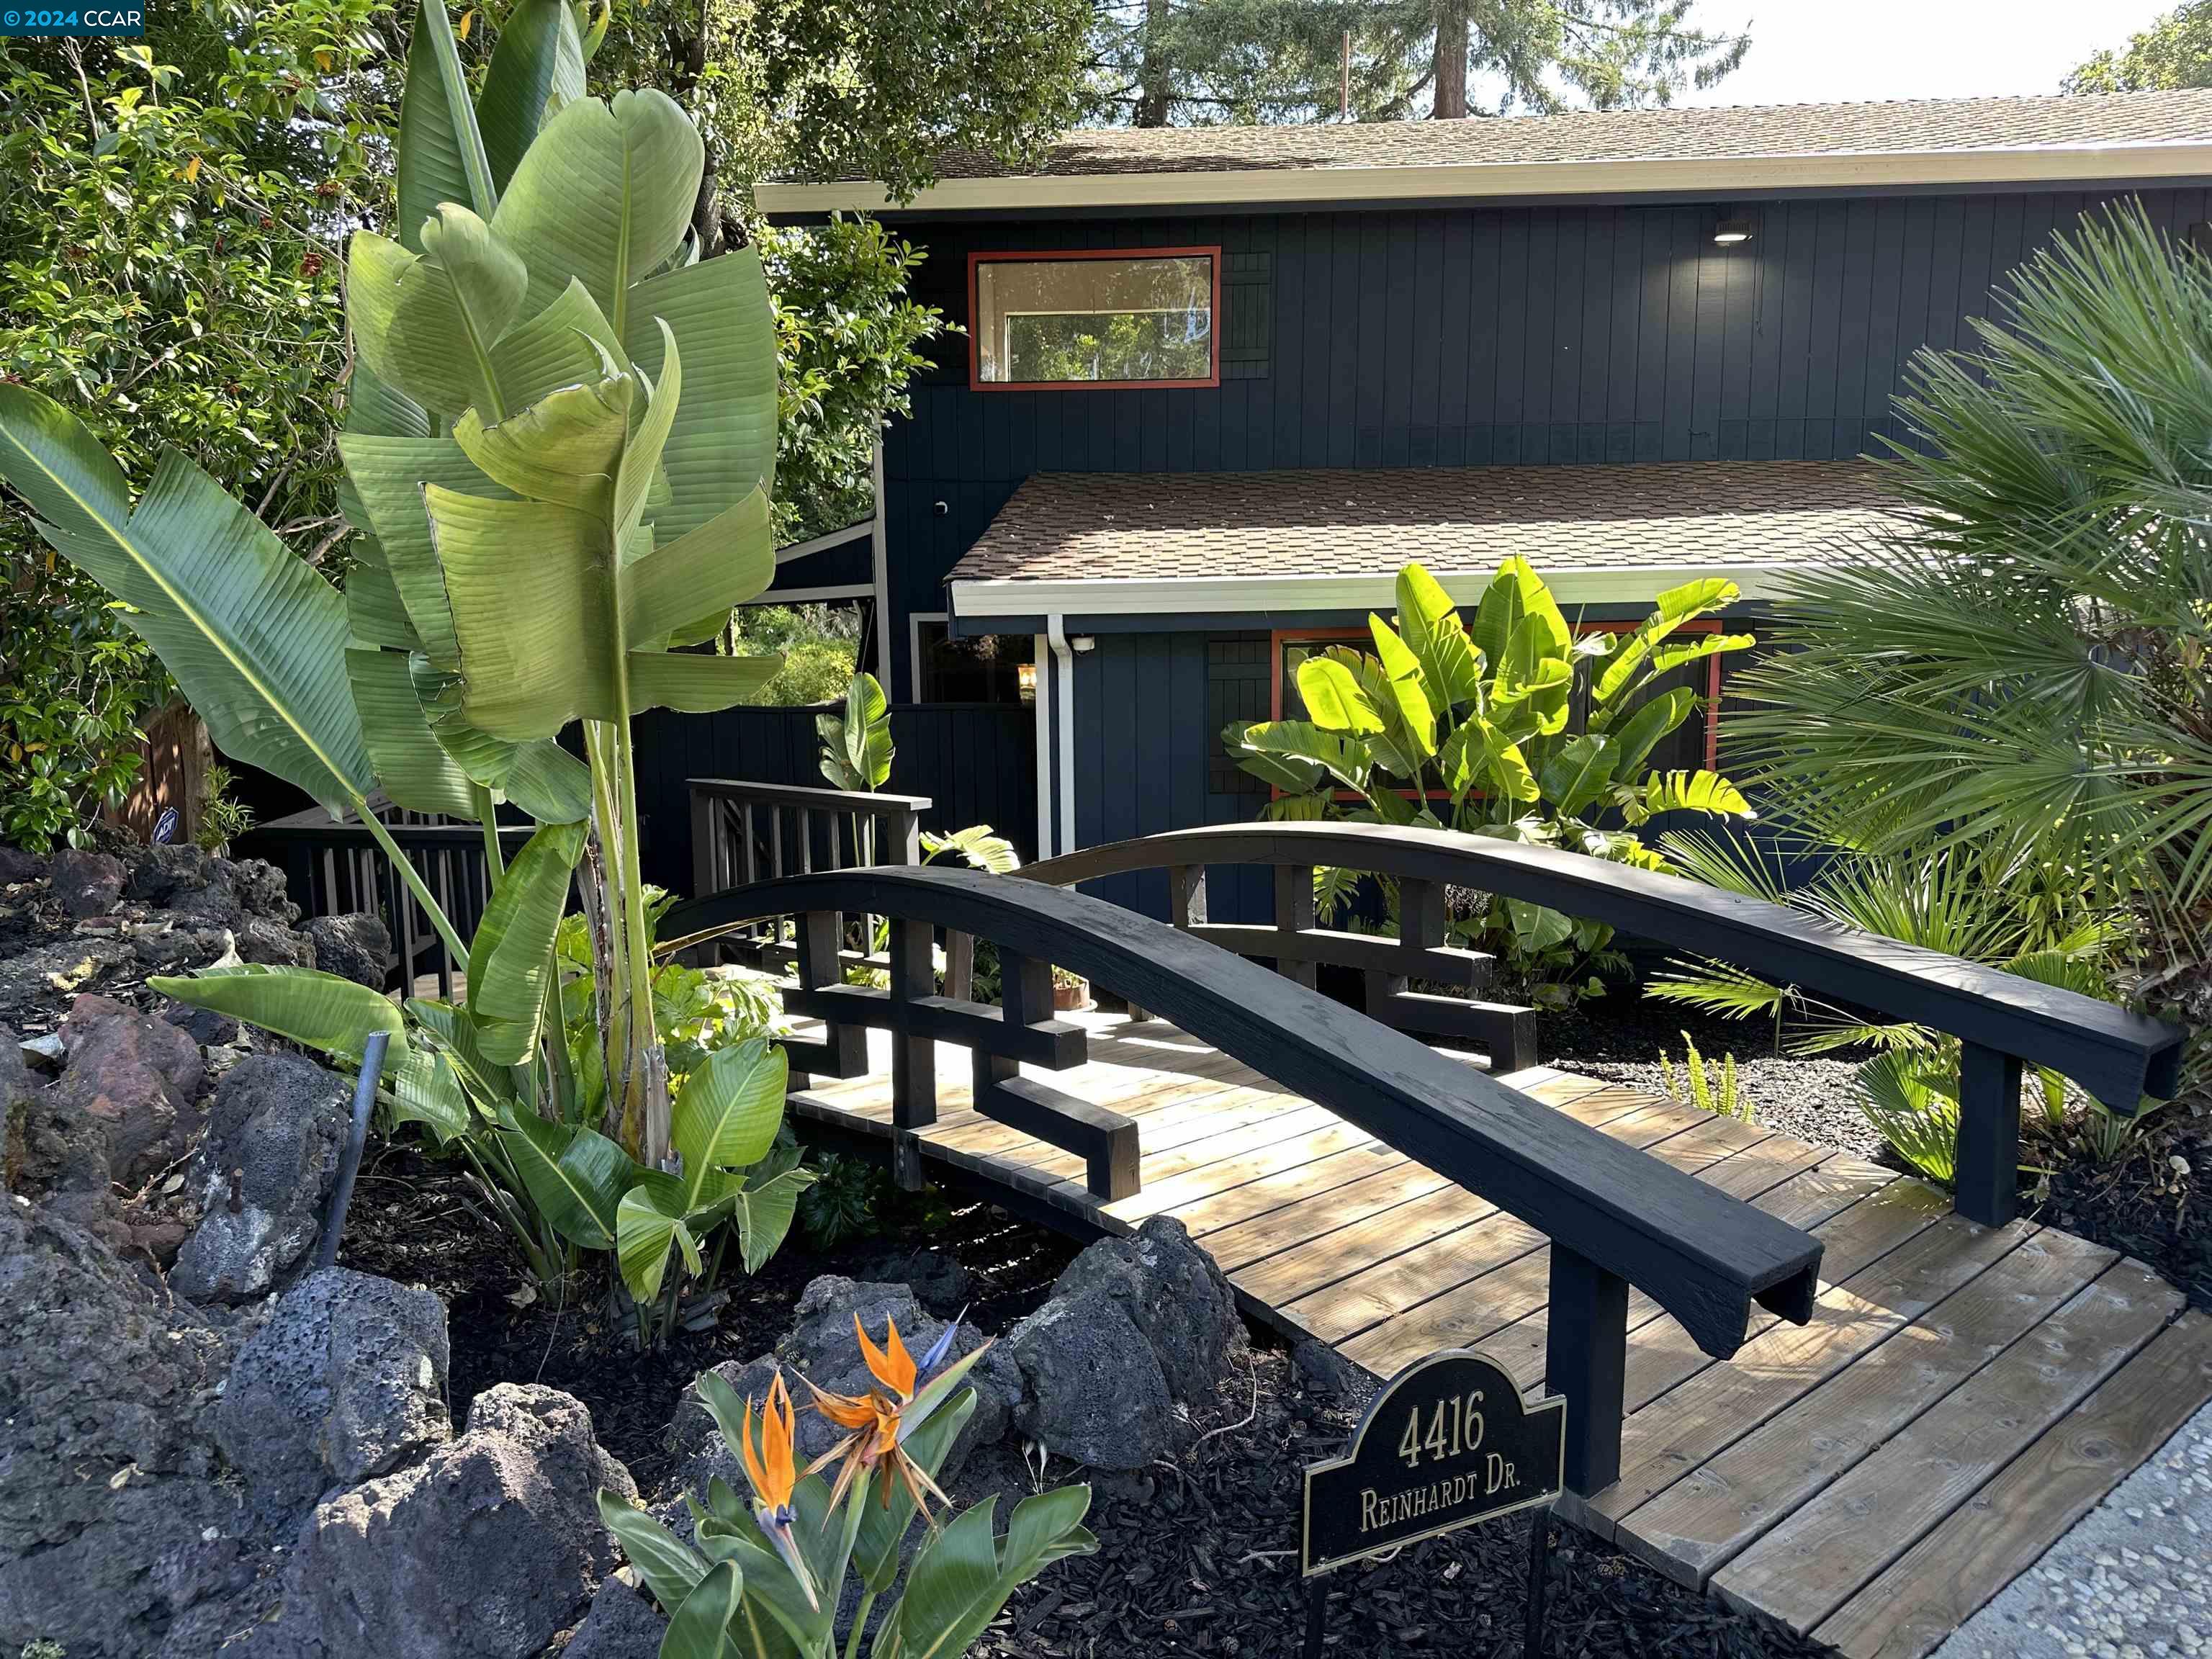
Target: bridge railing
{"points": [[1616, 1216], [2003, 1022]]}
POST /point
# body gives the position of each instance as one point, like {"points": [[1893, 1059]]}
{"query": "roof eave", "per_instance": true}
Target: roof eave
{"points": [[973, 598], [1496, 180]]}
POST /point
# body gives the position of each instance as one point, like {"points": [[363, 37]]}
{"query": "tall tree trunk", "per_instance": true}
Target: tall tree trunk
{"points": [[1153, 70], [1450, 104], [687, 56]]}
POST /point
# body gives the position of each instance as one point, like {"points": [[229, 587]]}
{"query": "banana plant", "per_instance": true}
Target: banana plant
{"points": [[1473, 728], [559, 451]]}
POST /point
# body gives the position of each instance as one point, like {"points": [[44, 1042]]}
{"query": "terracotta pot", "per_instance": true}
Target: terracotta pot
{"points": [[1071, 998]]}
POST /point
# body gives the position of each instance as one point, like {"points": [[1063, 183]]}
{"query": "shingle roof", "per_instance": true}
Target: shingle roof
{"points": [[1105, 527], [1774, 130]]}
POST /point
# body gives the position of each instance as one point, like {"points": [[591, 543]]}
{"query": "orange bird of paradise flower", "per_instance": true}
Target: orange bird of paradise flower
{"points": [[772, 1468], [878, 1423]]}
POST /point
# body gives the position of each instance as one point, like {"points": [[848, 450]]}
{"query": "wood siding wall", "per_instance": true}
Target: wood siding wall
{"points": [[1452, 337]]}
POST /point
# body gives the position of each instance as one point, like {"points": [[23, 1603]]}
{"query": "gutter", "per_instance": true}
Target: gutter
{"points": [[1061, 793], [1056, 598]]}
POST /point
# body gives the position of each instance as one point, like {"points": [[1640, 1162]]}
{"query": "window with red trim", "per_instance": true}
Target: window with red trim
{"points": [[1093, 318]]}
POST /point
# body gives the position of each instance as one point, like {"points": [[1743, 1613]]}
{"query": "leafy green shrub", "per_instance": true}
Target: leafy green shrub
{"points": [[222, 819], [2027, 920], [170, 216], [1472, 729]]}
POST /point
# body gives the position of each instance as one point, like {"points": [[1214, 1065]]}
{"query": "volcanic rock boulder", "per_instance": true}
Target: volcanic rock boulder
{"points": [[345, 1381], [622, 1625], [138, 1077], [1138, 1333], [85, 884], [486, 1549], [352, 946], [113, 1527], [261, 1175]]}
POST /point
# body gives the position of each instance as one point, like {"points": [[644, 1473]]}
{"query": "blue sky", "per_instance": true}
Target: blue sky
{"points": [[1814, 51]]}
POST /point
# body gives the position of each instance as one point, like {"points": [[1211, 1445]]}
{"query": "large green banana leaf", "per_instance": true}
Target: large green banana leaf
{"points": [[255, 637], [557, 613], [511, 958], [320, 1010], [537, 68], [441, 153]]}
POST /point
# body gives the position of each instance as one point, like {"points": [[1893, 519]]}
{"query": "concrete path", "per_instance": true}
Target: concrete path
{"points": [[2133, 1579]]}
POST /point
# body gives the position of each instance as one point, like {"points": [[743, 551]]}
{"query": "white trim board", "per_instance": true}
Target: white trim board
{"points": [[913, 622], [825, 542], [1497, 180], [1199, 596], [811, 595]]}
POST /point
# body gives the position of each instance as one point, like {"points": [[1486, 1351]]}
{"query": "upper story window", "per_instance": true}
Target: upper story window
{"points": [[1056, 321]]}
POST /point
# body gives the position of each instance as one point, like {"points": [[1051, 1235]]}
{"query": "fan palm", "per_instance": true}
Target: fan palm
{"points": [[2024, 666]]}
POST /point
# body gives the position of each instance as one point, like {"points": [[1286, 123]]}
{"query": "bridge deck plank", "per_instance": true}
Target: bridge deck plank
{"points": [[1794, 1478]]}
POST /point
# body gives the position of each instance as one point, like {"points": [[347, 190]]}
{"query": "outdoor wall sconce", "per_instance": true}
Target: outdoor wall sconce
{"points": [[1729, 232]]}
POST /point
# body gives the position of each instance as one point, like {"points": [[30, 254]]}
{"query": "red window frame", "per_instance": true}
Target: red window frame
{"points": [[1278, 638], [1037, 256]]}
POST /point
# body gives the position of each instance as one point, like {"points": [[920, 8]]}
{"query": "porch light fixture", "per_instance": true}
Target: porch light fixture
{"points": [[1026, 680], [1729, 232]]}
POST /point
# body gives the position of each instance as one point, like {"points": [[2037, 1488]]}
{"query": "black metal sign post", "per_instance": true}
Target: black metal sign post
{"points": [[1447, 1444]]}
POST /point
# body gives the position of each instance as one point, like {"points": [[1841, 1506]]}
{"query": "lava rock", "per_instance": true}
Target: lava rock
{"points": [[203, 1025], [941, 1283], [1326, 1372], [345, 1381], [265, 939], [36, 981], [622, 1625], [486, 1549], [354, 946], [85, 884], [138, 1077], [1138, 1332], [17, 866], [268, 1164], [113, 1520], [188, 879], [1092, 1387]]}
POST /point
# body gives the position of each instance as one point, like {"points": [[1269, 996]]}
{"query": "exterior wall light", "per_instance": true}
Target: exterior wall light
{"points": [[1728, 232]]}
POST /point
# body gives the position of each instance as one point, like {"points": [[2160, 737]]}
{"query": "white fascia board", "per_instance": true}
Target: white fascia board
{"points": [[1205, 596], [1497, 181]]}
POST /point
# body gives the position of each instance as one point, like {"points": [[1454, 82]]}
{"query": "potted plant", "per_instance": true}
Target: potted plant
{"points": [[1071, 993]]}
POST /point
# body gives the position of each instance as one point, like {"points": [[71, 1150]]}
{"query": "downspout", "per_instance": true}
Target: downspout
{"points": [[1063, 712]]}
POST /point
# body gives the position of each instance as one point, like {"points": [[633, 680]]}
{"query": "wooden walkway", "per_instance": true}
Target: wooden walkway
{"points": [[1961, 1395]]}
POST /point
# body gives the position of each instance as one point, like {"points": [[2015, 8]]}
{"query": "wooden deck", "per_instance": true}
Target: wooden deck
{"points": [[1961, 1395]]}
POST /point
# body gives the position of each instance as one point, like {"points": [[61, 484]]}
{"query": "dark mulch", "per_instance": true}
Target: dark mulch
{"points": [[2145, 1205], [1195, 1559], [1200, 1558], [413, 1220]]}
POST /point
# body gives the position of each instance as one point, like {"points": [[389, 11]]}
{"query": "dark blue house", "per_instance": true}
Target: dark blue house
{"points": [[1217, 384]]}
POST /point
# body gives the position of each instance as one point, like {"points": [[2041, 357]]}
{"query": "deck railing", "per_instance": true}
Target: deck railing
{"points": [[744, 832], [1617, 1217], [2003, 1022], [333, 865]]}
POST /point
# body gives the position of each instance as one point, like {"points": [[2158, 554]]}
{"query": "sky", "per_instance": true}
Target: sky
{"points": [[1816, 50]]}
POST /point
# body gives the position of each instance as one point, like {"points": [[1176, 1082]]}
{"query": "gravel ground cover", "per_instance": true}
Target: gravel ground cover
{"points": [[2131, 1580]]}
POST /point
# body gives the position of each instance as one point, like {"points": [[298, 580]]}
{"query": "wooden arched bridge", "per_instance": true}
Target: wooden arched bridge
{"points": [[1812, 1386]]}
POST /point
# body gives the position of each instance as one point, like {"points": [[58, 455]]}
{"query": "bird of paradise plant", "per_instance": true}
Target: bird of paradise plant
{"points": [[764, 1577]]}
